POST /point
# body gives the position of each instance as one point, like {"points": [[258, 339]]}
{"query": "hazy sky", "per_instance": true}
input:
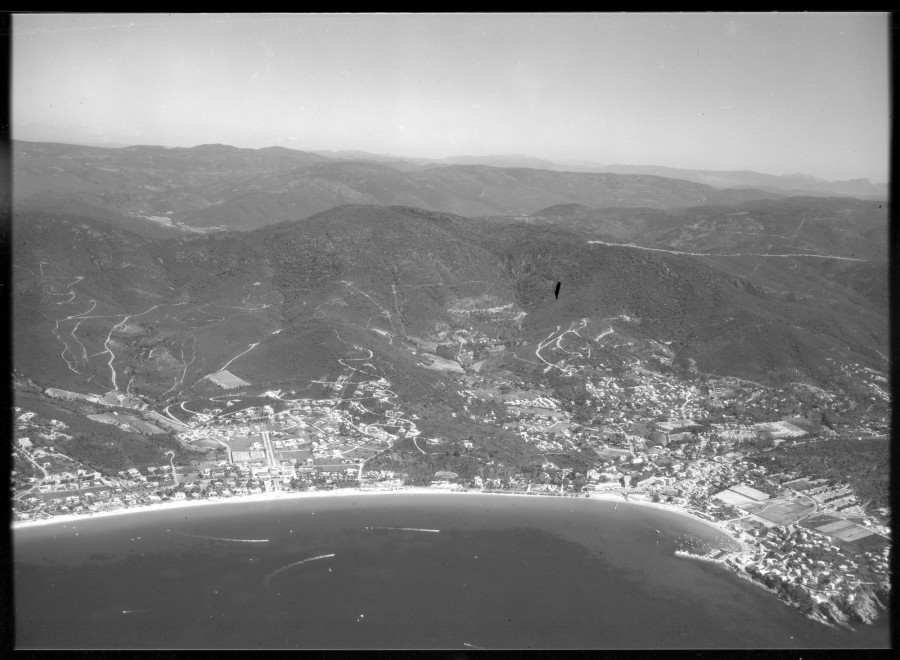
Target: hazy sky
{"points": [[777, 93]]}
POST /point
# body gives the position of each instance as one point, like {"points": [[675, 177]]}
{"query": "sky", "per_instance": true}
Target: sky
{"points": [[777, 93]]}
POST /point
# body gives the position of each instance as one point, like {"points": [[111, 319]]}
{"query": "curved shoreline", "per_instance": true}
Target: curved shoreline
{"points": [[73, 518], [674, 509]]}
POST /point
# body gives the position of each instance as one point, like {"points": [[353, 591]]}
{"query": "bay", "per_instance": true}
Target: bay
{"points": [[363, 572]]}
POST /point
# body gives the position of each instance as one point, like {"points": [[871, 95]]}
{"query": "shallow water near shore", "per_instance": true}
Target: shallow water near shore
{"points": [[364, 572]]}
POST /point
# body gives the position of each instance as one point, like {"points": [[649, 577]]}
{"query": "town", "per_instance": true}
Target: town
{"points": [[637, 433]]}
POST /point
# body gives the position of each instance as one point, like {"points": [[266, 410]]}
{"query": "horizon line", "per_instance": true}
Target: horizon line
{"points": [[112, 144]]}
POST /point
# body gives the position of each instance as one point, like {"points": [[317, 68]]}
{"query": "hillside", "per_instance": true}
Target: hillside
{"points": [[813, 225], [182, 308], [431, 307], [726, 314]]}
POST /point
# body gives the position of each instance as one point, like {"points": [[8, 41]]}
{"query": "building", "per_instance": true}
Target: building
{"points": [[674, 425], [780, 430]]}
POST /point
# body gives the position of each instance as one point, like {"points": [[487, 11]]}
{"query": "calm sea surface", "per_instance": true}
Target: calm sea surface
{"points": [[503, 572]]}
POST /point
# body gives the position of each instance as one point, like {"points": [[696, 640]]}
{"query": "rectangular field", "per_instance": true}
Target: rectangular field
{"points": [[360, 452], [781, 513], [241, 442], [441, 364], [735, 499], [227, 380], [844, 530], [295, 455], [752, 493]]}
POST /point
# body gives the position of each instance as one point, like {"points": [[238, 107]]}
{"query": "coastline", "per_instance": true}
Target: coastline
{"points": [[183, 504], [73, 518], [674, 509]]}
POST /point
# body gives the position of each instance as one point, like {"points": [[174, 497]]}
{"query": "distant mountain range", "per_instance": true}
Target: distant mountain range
{"points": [[217, 187], [793, 184], [789, 185]]}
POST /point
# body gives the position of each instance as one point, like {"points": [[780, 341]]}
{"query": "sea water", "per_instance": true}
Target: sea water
{"points": [[395, 571]]}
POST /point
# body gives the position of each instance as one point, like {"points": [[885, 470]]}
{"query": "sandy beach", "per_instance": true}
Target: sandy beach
{"points": [[672, 509], [343, 492], [190, 503]]}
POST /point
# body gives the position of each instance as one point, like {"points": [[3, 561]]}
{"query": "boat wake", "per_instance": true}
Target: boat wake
{"points": [[217, 538], [268, 579], [405, 529]]}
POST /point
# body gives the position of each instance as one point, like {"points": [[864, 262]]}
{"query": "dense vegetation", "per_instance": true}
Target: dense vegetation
{"points": [[109, 451], [863, 464]]}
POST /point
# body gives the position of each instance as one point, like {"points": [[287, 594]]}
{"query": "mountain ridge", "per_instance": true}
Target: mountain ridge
{"points": [[215, 187], [408, 271]]}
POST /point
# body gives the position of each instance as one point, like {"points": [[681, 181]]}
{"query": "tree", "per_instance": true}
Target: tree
{"points": [[445, 352], [766, 440]]}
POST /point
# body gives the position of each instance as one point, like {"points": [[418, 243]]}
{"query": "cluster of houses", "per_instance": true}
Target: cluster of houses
{"points": [[812, 560], [51, 430], [316, 425]]}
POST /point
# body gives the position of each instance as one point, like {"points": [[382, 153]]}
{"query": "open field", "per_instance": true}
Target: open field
{"points": [[360, 452], [844, 530], [442, 364], [735, 499], [242, 442], [227, 380], [126, 421], [295, 455], [751, 493], [779, 511]]}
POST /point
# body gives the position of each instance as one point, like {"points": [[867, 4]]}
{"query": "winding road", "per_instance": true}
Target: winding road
{"points": [[726, 254]]}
